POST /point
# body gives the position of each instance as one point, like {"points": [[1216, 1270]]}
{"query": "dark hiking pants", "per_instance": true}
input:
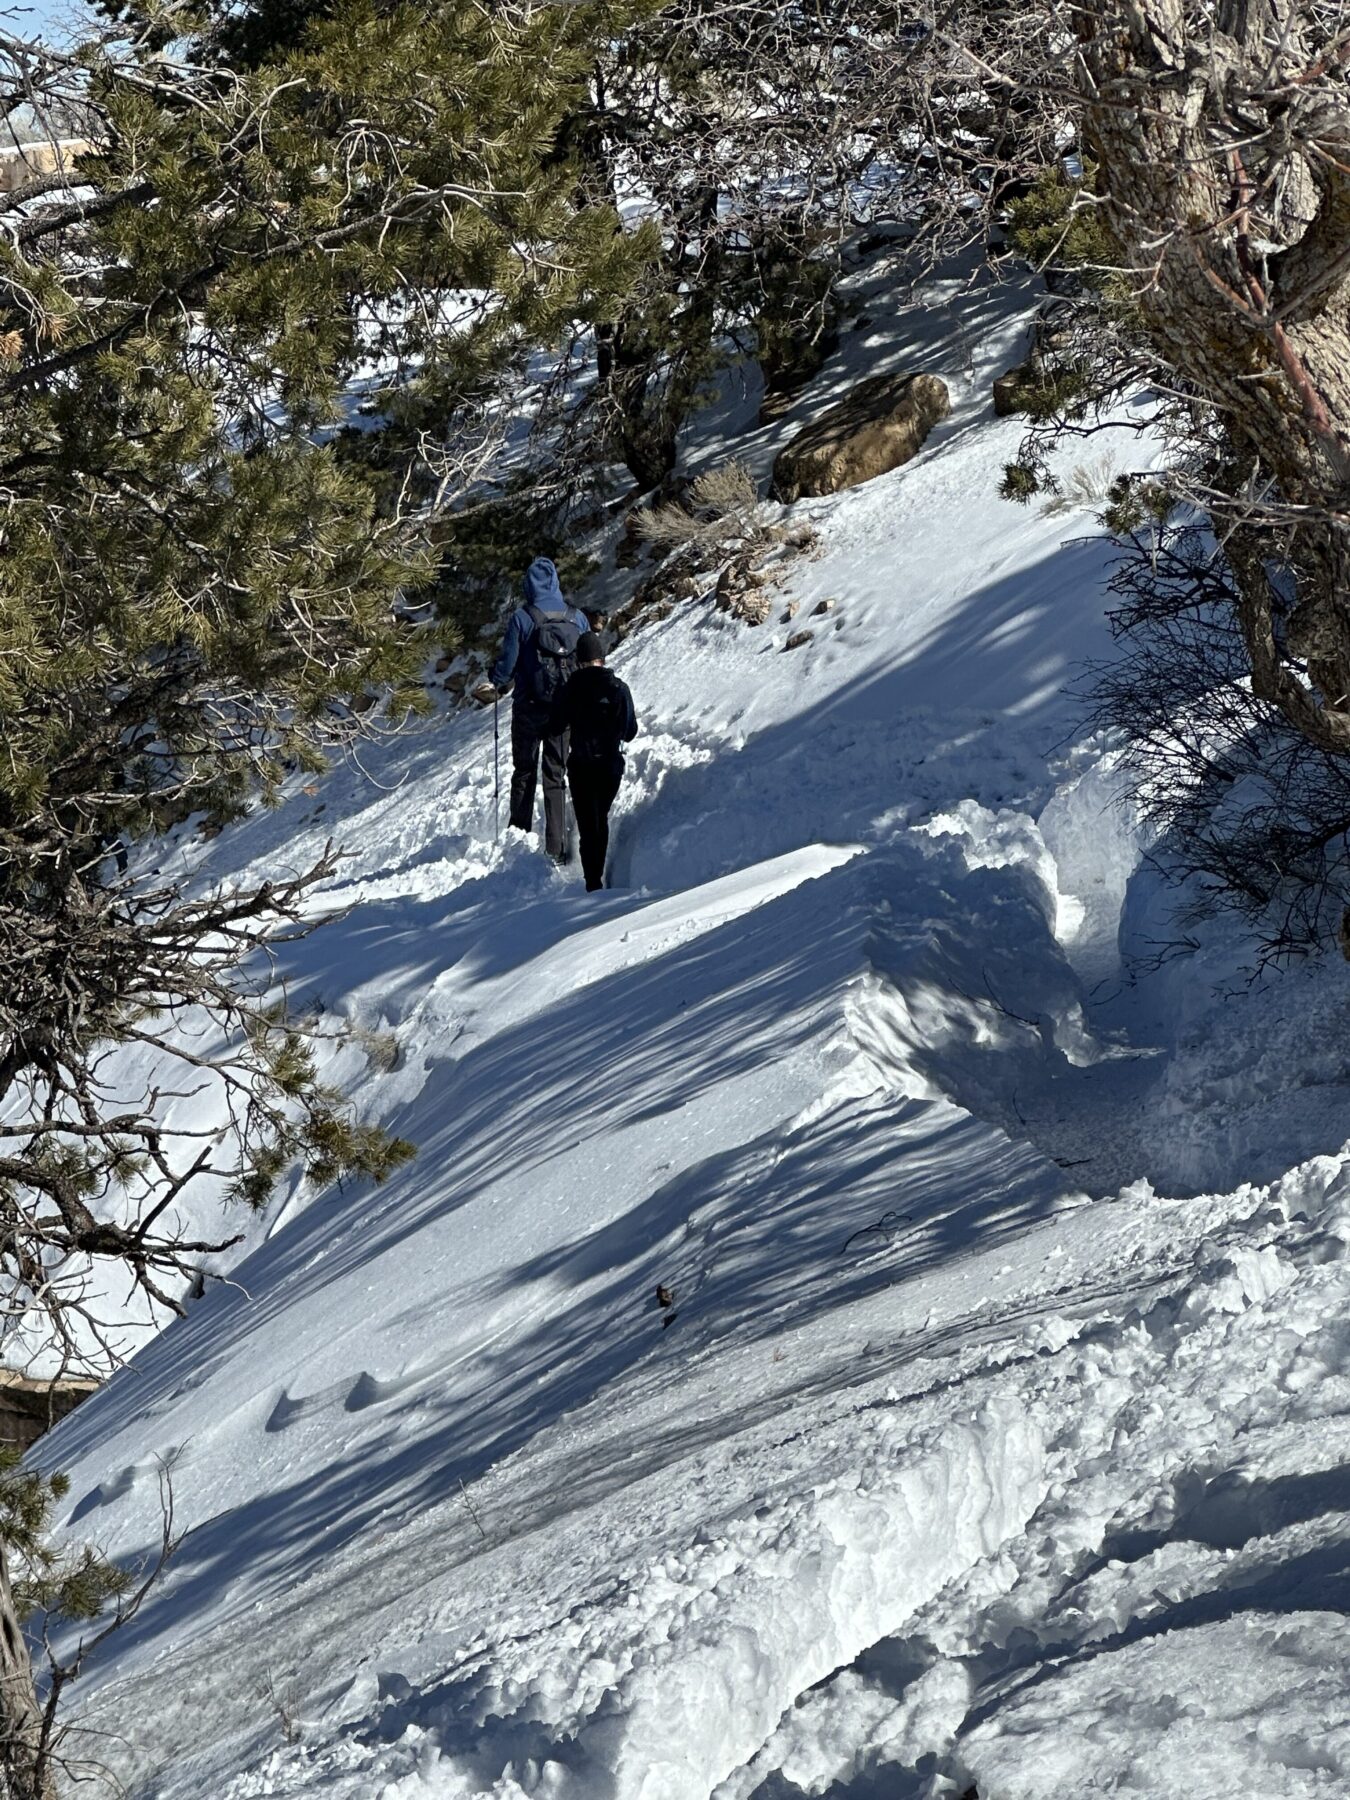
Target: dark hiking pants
{"points": [[594, 785], [527, 740]]}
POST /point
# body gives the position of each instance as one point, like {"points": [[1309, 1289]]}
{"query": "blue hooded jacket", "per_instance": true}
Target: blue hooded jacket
{"points": [[517, 657]]}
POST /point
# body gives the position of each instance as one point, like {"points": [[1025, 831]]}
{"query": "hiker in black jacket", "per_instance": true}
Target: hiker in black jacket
{"points": [[596, 709]]}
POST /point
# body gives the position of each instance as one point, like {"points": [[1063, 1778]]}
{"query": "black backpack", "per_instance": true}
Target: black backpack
{"points": [[598, 719], [555, 653]]}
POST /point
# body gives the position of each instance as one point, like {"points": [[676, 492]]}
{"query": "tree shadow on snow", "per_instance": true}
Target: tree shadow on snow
{"points": [[752, 1235]]}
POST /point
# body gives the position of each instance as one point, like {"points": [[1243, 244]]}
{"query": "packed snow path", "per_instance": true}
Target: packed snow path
{"points": [[961, 1457]]}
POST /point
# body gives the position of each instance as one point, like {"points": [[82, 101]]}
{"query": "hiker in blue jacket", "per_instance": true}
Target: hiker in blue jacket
{"points": [[539, 652]]}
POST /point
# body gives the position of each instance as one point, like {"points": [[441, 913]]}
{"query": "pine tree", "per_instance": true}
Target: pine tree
{"points": [[203, 556], [240, 352], [760, 136], [61, 1584]]}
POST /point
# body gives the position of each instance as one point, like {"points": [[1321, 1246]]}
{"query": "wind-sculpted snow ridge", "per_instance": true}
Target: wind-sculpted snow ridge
{"points": [[992, 1429]]}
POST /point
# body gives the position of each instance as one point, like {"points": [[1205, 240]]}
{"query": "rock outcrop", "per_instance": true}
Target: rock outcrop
{"points": [[880, 425], [29, 1406]]}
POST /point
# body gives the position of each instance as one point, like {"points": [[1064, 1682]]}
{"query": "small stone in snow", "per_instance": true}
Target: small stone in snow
{"points": [[797, 639], [822, 606]]}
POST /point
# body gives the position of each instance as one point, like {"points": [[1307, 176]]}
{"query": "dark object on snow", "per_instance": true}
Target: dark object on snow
{"points": [[539, 651], [496, 770], [799, 638], [880, 425], [665, 1296], [595, 714], [885, 1227]]}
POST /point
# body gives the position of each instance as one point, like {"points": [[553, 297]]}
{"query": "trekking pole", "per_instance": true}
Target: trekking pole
{"points": [[496, 776]]}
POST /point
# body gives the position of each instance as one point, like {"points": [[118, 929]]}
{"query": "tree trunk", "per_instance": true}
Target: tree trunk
{"points": [[25, 1768], [1193, 118]]}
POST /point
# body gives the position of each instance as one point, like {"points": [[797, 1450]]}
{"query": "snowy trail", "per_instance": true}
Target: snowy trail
{"points": [[953, 1418], [914, 1482]]}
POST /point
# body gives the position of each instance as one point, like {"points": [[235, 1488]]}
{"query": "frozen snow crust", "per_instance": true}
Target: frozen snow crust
{"points": [[1000, 1436]]}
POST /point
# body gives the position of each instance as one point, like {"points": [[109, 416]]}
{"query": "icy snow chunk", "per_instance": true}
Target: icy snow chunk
{"points": [[1000, 840], [1245, 1277], [1094, 840]]}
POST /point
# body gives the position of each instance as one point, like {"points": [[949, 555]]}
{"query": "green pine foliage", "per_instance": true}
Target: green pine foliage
{"points": [[1021, 483], [238, 359], [190, 526], [66, 1583], [1091, 352], [1056, 225]]}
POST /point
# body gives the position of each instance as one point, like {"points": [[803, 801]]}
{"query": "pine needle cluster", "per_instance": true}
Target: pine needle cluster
{"points": [[61, 1582]]}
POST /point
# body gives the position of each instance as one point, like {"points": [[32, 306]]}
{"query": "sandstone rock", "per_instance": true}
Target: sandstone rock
{"points": [[880, 425], [739, 593], [773, 406], [799, 638], [789, 612], [1007, 388], [28, 1406], [823, 606], [752, 606]]}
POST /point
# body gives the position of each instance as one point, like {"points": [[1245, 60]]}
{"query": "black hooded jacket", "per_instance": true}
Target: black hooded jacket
{"points": [[597, 709]]}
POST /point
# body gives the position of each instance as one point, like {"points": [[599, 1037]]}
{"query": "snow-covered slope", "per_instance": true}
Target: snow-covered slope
{"points": [[963, 1455]]}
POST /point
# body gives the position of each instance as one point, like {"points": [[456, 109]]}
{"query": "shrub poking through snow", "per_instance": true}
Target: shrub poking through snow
{"points": [[1088, 487], [716, 503], [713, 527]]}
